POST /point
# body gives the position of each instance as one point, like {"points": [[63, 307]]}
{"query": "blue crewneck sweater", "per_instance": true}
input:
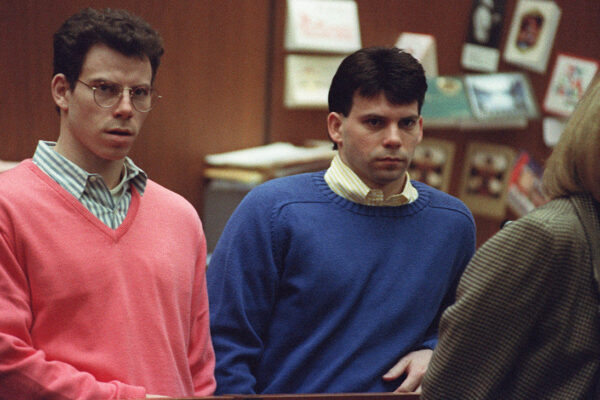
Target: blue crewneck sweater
{"points": [[312, 293]]}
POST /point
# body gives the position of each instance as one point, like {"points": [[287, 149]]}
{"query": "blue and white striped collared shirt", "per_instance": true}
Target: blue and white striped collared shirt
{"points": [[109, 206]]}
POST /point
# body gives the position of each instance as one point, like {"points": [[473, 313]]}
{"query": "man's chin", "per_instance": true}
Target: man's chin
{"points": [[387, 177], [114, 156]]}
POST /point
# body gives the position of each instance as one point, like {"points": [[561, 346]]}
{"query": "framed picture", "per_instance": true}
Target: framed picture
{"points": [[570, 78], [481, 49], [307, 80], [531, 35], [485, 177], [432, 163]]}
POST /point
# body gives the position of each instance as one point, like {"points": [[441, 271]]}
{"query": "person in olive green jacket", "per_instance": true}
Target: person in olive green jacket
{"points": [[526, 321]]}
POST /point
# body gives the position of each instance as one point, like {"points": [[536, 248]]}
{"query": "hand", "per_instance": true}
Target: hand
{"points": [[414, 365]]}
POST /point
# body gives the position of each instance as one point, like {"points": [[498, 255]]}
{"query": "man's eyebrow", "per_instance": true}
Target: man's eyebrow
{"points": [[101, 80], [372, 115], [108, 81], [380, 116]]}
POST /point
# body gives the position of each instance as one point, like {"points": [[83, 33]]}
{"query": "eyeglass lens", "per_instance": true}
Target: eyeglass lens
{"points": [[109, 94]]}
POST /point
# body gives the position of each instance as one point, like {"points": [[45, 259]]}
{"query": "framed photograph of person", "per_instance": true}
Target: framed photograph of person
{"points": [[570, 78], [485, 177], [432, 163], [532, 33]]}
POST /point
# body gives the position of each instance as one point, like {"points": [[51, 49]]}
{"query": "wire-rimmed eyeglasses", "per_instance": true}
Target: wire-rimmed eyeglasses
{"points": [[107, 94]]}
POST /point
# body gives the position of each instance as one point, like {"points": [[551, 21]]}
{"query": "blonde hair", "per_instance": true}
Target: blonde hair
{"points": [[574, 165]]}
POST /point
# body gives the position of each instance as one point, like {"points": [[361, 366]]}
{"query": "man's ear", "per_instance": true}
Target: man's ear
{"points": [[420, 129], [60, 89], [334, 127]]}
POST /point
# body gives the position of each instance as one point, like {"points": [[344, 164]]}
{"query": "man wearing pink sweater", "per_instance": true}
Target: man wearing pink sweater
{"points": [[102, 271]]}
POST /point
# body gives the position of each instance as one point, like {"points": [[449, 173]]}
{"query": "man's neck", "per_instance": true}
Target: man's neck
{"points": [[393, 188], [110, 171]]}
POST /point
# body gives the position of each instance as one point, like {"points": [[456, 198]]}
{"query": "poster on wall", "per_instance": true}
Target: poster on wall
{"points": [[432, 163], [307, 80], [570, 78], [481, 51], [485, 177], [322, 25], [531, 35]]}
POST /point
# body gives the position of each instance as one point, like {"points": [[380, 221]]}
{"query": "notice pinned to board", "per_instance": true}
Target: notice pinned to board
{"points": [[307, 80], [322, 26]]}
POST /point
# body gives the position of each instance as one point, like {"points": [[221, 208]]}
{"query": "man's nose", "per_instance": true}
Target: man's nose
{"points": [[393, 136], [125, 106]]}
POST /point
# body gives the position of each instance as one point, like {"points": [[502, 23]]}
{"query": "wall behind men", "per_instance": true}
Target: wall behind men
{"points": [[211, 78], [222, 77], [382, 21]]}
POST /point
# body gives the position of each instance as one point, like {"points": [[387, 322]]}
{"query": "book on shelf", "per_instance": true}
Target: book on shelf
{"points": [[501, 99], [525, 185], [446, 103], [479, 101]]}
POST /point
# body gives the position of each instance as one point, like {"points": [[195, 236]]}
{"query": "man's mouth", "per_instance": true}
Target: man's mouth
{"points": [[391, 159], [119, 132]]}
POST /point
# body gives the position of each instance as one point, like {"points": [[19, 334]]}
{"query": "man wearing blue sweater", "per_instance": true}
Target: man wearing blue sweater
{"points": [[334, 281]]}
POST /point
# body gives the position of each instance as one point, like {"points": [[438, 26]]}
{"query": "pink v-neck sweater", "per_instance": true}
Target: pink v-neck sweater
{"points": [[87, 312]]}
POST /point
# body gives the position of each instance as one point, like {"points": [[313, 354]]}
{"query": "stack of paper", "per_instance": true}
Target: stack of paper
{"points": [[257, 164]]}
